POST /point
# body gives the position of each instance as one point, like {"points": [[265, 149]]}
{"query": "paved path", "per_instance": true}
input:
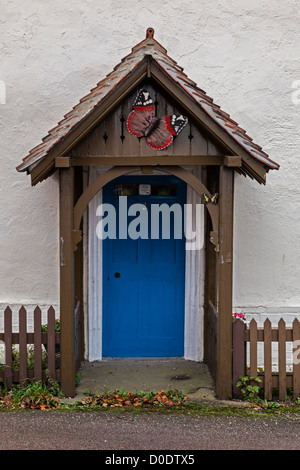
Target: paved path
{"points": [[55, 430]]}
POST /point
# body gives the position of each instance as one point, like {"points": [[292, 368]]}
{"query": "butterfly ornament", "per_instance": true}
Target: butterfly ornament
{"points": [[207, 199], [142, 122]]}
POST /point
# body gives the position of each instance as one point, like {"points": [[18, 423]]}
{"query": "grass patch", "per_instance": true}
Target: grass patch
{"points": [[37, 395]]}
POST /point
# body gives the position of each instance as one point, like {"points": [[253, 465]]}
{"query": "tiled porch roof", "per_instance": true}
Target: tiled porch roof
{"points": [[147, 47]]}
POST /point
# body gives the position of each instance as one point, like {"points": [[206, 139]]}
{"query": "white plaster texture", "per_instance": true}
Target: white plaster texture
{"points": [[243, 54]]}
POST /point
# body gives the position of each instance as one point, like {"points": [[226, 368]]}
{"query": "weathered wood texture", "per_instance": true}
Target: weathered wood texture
{"points": [[66, 201], [281, 379], [212, 340], [224, 376], [19, 371], [78, 337], [112, 139], [238, 357]]}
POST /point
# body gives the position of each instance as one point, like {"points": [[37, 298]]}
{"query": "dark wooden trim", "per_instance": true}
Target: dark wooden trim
{"points": [[226, 193], [62, 162], [232, 161], [94, 187], [78, 274], [251, 166], [115, 172], [199, 187], [210, 288], [66, 198], [112, 100]]}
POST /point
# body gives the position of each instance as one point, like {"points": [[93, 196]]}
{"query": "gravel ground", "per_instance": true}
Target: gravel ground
{"points": [[55, 430]]}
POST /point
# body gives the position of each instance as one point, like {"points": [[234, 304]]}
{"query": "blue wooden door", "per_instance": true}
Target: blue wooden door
{"points": [[144, 278]]}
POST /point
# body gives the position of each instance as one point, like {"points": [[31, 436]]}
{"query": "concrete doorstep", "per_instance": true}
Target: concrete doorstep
{"points": [[132, 375]]}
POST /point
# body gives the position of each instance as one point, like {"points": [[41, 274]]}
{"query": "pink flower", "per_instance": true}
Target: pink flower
{"points": [[238, 315]]}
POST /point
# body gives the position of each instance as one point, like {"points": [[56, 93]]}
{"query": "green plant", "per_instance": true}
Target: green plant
{"points": [[78, 377], [249, 388], [34, 395], [57, 326], [30, 357]]}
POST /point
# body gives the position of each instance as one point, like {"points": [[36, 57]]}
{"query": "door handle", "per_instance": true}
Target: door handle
{"points": [[117, 275]]}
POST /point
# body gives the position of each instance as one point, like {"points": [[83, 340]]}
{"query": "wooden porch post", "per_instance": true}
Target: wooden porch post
{"points": [[66, 199], [224, 368]]}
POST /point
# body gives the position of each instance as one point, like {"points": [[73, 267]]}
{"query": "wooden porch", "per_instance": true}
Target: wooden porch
{"points": [[95, 134]]}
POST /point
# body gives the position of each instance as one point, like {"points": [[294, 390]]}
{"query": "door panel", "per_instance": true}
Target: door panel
{"points": [[144, 279]]}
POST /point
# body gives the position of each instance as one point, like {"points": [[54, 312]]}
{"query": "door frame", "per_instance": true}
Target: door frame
{"points": [[194, 291], [175, 347]]}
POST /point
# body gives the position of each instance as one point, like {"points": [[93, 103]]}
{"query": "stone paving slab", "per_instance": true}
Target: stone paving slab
{"points": [[190, 377]]}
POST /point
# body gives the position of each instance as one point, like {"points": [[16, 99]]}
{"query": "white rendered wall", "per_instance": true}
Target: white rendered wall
{"points": [[243, 54]]}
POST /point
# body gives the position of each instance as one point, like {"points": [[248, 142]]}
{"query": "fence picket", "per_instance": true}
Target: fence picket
{"points": [[282, 359], [281, 335], [296, 358], [37, 343], [8, 346], [11, 374], [267, 360], [22, 345], [253, 348], [51, 341], [239, 358]]}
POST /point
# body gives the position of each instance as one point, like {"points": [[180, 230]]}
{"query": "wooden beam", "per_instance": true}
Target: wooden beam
{"points": [[62, 162], [233, 161], [251, 165], [116, 171], [224, 369], [66, 198], [154, 160], [147, 170], [196, 160], [78, 276], [111, 101]]}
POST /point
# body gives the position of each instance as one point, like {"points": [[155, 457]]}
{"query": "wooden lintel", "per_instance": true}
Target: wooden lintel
{"points": [[233, 161], [147, 170], [62, 162], [152, 161]]}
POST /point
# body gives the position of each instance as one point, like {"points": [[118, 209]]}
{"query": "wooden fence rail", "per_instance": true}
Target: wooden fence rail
{"points": [[18, 373], [267, 335]]}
